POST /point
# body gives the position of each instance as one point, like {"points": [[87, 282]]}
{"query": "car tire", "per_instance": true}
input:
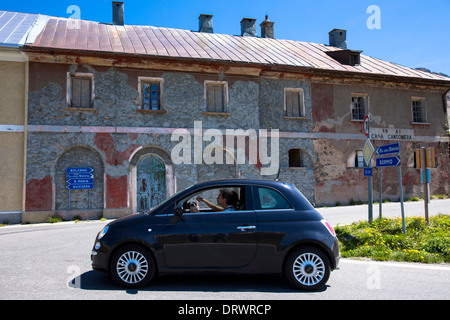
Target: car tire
{"points": [[307, 268], [133, 267]]}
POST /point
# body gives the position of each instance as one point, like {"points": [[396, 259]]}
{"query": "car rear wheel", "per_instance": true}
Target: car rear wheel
{"points": [[307, 268], [133, 267]]}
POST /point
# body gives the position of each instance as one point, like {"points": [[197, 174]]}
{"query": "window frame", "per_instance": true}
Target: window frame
{"points": [[422, 101], [359, 159], [69, 89], [150, 81], [243, 192], [301, 105], [300, 158], [361, 114], [224, 86]]}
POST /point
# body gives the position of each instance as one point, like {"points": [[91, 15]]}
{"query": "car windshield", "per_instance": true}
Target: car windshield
{"points": [[162, 204]]}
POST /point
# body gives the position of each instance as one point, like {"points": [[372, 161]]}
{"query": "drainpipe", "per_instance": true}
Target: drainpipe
{"points": [[444, 105]]}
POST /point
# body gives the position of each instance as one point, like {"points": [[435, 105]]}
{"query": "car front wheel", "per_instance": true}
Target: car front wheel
{"points": [[307, 269], [133, 267]]}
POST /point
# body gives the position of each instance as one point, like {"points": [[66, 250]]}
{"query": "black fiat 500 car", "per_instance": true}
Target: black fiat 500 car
{"points": [[224, 226]]}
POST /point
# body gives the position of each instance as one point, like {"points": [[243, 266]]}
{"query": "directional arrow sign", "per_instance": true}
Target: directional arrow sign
{"points": [[388, 162], [388, 149], [79, 170], [80, 186], [79, 175], [80, 181]]}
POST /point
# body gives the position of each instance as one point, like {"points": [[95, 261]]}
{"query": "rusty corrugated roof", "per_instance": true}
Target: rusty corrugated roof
{"points": [[69, 34]]}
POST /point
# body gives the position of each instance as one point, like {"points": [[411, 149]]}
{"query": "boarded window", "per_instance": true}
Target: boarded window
{"points": [[81, 92], [358, 107], [150, 95], [418, 111], [215, 97], [294, 103]]}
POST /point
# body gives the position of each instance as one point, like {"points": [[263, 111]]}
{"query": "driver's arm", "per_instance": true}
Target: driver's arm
{"points": [[213, 206]]}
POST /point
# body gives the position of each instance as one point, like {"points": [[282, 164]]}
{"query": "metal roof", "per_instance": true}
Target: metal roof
{"points": [[69, 34], [14, 27]]}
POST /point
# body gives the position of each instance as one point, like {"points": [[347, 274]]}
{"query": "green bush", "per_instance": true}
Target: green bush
{"points": [[384, 239]]}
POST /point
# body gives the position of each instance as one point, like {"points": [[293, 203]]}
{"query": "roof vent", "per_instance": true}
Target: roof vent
{"points": [[338, 38], [205, 23], [267, 28], [248, 27], [118, 16]]}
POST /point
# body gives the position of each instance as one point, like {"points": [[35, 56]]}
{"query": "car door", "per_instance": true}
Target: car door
{"points": [[225, 239]]}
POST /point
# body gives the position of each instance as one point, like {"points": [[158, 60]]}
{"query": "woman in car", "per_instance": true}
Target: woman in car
{"points": [[227, 200]]}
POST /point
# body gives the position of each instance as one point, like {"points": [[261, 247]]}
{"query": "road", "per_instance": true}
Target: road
{"points": [[52, 261], [349, 214]]}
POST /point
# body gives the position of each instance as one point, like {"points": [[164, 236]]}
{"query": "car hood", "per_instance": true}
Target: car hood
{"points": [[127, 221]]}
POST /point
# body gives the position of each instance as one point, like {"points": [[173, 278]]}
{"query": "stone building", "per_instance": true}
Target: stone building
{"points": [[143, 112]]}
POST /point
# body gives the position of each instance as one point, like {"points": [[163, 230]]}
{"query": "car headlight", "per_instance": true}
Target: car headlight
{"points": [[103, 232]]}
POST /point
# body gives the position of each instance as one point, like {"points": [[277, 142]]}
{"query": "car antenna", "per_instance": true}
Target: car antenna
{"points": [[278, 174]]}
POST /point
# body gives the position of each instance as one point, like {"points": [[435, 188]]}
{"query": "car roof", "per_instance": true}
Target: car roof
{"points": [[239, 182]]}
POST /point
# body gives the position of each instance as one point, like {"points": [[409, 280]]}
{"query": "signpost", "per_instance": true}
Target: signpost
{"points": [[81, 178], [368, 154], [392, 161]]}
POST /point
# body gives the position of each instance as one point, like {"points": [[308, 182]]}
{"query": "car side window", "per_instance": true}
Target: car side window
{"points": [[208, 200], [269, 199]]}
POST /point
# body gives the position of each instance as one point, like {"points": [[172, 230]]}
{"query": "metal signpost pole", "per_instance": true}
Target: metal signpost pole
{"points": [[391, 161], [401, 193], [370, 184], [381, 193], [425, 182]]}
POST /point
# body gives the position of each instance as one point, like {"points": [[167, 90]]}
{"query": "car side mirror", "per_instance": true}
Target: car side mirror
{"points": [[177, 213]]}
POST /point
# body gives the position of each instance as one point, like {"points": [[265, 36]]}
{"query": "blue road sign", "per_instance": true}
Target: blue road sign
{"points": [[79, 170], [367, 172], [388, 149], [80, 186], [80, 181], [387, 162], [79, 176]]}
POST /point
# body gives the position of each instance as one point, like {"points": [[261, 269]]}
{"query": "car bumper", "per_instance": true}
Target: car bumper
{"points": [[99, 260]]}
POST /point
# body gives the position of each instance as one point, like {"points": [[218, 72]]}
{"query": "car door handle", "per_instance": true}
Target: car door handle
{"points": [[245, 228]]}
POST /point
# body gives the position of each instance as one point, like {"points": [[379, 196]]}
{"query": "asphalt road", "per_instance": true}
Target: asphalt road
{"points": [[52, 261], [349, 214]]}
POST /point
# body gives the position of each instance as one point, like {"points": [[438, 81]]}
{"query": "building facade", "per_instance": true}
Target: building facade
{"points": [[15, 29], [121, 117]]}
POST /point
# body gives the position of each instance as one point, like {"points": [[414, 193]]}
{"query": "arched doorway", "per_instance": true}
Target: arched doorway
{"points": [[83, 199], [151, 182]]}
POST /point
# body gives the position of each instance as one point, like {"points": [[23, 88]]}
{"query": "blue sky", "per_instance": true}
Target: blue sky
{"points": [[413, 33]]}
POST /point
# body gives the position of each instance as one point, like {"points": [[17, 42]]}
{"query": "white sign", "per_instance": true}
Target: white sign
{"points": [[391, 134]]}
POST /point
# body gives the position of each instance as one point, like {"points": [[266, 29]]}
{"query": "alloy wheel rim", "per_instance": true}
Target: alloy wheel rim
{"points": [[308, 269], [132, 267]]}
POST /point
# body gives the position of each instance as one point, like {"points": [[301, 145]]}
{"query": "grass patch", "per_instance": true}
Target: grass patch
{"points": [[384, 239]]}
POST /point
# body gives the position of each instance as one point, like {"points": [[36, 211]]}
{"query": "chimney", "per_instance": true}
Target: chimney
{"points": [[118, 17], [205, 23], [248, 28], [338, 38], [267, 28]]}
